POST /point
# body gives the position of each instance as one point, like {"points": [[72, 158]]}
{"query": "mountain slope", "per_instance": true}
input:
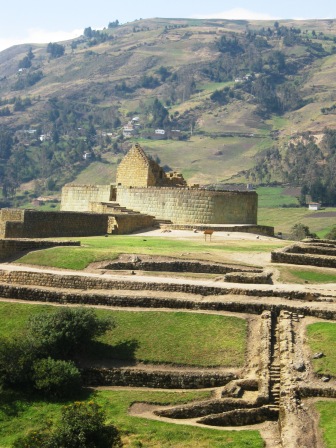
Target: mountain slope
{"points": [[232, 88]]}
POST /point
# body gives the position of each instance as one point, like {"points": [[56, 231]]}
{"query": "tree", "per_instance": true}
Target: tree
{"points": [[82, 425], [300, 231], [114, 24], [55, 50], [332, 234], [63, 333]]}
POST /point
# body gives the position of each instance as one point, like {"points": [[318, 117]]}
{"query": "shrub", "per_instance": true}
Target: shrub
{"points": [[332, 234], [55, 378], [300, 231], [63, 333]]}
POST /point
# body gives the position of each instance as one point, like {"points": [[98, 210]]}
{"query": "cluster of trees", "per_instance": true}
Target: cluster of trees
{"points": [[225, 95], [27, 79], [26, 62], [256, 52], [42, 360], [43, 357], [303, 163], [55, 50]]}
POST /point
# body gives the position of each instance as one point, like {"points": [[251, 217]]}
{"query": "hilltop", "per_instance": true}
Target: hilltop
{"points": [[222, 91]]}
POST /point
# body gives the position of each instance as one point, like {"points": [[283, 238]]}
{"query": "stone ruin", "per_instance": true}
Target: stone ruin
{"points": [[143, 197]]}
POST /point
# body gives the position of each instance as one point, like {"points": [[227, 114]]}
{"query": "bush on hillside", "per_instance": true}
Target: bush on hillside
{"points": [[56, 378], [64, 333], [332, 234]]}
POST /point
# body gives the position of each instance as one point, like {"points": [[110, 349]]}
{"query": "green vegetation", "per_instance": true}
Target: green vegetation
{"points": [[151, 336], [171, 73], [82, 425], [282, 219], [102, 248], [322, 338], [327, 410], [271, 197], [41, 357], [29, 414], [302, 275]]}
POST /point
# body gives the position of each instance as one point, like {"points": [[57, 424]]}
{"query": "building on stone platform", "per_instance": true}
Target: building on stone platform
{"points": [[143, 186], [143, 196]]}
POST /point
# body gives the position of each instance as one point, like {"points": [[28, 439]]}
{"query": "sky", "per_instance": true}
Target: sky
{"points": [[43, 21]]}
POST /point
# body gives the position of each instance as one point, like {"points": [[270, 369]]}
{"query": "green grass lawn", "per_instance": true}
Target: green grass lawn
{"points": [[101, 248], [192, 339], [327, 410], [304, 275], [271, 197], [283, 219], [19, 414], [322, 338]]}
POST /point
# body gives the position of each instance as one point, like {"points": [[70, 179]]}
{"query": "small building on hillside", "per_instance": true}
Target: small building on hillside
{"points": [[314, 206]]}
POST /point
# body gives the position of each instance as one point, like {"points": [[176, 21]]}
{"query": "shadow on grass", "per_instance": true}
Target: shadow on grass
{"points": [[123, 351]]}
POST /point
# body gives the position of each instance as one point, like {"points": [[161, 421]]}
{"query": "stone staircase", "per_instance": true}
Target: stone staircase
{"points": [[275, 365], [275, 384], [115, 207], [162, 223]]}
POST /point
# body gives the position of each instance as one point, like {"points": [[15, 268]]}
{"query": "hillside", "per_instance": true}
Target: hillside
{"points": [[223, 92]]}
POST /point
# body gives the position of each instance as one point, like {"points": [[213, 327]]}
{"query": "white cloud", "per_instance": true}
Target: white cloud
{"points": [[39, 36], [237, 14]]}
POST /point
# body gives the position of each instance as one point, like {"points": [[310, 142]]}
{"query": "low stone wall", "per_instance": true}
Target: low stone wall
{"points": [[11, 247], [58, 295], [123, 224], [241, 417], [203, 408], [85, 282], [255, 229], [177, 266], [279, 256], [40, 224], [245, 277], [313, 252], [157, 379], [310, 391]]}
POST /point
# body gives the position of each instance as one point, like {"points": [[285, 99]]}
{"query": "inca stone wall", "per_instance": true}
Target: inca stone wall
{"points": [[138, 170], [184, 205], [9, 248], [38, 224], [78, 197]]}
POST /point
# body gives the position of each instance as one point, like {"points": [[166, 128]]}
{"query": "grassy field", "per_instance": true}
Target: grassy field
{"points": [[101, 248], [271, 197], [19, 414], [154, 337], [283, 219], [312, 275], [322, 338], [274, 210], [327, 410]]}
